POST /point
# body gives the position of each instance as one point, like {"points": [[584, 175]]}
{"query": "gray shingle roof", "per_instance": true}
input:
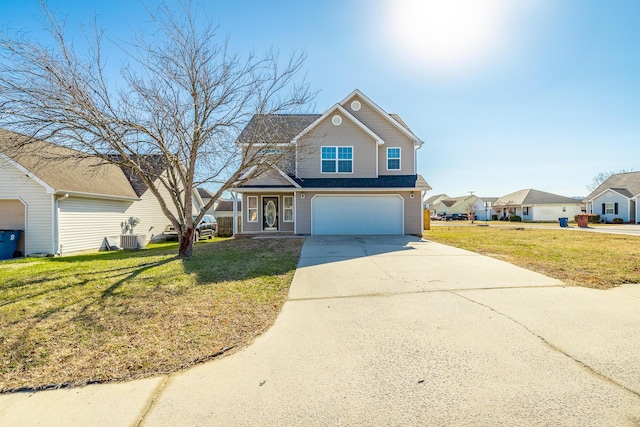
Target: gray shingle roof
{"points": [[275, 128], [627, 184], [152, 166], [204, 193], [431, 199], [227, 206], [61, 169], [533, 197]]}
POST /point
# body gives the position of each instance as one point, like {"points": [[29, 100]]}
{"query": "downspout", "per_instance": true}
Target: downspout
{"points": [[235, 213], [54, 224], [56, 247]]}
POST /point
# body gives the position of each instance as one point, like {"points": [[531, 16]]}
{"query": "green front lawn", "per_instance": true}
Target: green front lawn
{"points": [[594, 260], [130, 314]]}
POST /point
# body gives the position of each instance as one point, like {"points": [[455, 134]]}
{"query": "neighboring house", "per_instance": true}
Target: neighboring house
{"points": [[465, 205], [536, 205], [224, 209], [432, 201], [353, 170], [205, 196], [617, 197], [70, 205], [485, 210]]}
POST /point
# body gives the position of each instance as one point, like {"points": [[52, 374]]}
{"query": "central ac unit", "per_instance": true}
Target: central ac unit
{"points": [[133, 241]]}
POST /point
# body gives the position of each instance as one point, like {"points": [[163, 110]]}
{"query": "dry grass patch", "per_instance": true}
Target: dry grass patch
{"points": [[124, 315], [593, 260]]}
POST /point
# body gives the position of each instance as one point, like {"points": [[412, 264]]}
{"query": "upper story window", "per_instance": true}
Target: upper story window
{"points": [[337, 159], [393, 158]]}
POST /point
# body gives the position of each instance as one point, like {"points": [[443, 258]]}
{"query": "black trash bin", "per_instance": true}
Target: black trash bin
{"points": [[9, 243]]}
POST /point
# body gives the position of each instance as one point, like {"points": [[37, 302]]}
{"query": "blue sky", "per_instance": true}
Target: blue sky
{"points": [[506, 94]]}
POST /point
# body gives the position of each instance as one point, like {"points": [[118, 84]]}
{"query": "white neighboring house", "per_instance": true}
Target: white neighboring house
{"points": [[536, 205], [67, 206], [445, 205], [616, 197]]}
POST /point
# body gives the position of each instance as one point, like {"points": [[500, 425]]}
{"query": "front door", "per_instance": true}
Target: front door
{"points": [[270, 213]]}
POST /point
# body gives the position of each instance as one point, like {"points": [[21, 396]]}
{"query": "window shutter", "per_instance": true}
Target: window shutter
{"points": [[615, 208], [603, 209]]}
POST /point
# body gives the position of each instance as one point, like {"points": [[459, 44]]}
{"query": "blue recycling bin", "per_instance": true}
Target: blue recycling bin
{"points": [[9, 243], [564, 222]]}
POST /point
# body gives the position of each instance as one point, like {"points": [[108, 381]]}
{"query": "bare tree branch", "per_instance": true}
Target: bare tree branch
{"points": [[183, 99]]}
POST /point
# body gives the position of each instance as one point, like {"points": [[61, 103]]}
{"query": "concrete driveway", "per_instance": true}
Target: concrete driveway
{"points": [[396, 331]]}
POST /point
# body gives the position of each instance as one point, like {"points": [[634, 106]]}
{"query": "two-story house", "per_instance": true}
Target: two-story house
{"points": [[353, 170]]}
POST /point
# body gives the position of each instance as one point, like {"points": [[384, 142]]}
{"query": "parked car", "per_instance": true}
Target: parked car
{"points": [[435, 217], [207, 227], [455, 217]]}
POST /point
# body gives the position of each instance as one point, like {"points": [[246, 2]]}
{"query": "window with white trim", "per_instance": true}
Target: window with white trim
{"points": [[393, 158], [609, 209], [337, 160], [287, 206], [252, 209]]}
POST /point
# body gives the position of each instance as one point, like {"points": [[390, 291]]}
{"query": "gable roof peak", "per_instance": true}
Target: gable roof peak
{"points": [[348, 115], [391, 118]]}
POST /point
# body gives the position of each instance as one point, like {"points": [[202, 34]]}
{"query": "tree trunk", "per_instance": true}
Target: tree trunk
{"points": [[185, 248]]}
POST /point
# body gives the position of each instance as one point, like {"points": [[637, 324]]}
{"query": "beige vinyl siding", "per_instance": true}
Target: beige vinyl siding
{"points": [[38, 210], [348, 134], [412, 212], [303, 212], [390, 134], [256, 227], [285, 161], [269, 177], [83, 223]]}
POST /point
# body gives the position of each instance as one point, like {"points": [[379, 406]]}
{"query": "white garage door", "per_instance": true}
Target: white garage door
{"points": [[357, 214]]}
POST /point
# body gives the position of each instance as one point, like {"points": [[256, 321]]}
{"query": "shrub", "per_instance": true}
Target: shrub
{"points": [[617, 220], [515, 218]]}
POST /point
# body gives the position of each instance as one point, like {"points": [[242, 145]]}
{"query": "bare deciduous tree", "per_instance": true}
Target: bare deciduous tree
{"points": [[182, 98], [603, 176], [470, 209]]}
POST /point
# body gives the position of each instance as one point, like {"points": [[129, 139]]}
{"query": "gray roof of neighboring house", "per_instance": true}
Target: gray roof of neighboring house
{"points": [[627, 184], [275, 128], [488, 199], [431, 199], [534, 197], [227, 206], [152, 166], [205, 194], [61, 169]]}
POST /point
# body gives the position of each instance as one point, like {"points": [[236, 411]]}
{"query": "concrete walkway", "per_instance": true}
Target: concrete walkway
{"points": [[395, 331]]}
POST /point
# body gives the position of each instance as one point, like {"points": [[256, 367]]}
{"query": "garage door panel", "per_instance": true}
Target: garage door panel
{"points": [[357, 215]]}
